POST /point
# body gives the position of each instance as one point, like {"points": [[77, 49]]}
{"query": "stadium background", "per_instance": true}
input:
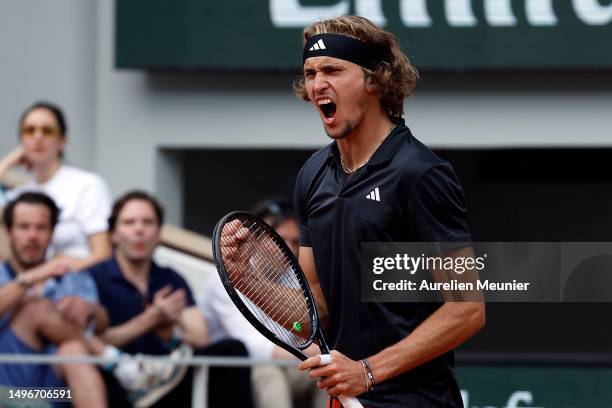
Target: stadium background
{"points": [[531, 145]]}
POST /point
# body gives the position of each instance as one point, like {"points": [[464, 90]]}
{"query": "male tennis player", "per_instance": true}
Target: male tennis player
{"points": [[375, 183]]}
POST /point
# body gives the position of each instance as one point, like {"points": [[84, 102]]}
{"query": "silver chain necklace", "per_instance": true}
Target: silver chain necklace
{"points": [[349, 171]]}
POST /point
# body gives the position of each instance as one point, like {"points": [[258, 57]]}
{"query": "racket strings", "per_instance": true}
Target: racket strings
{"points": [[270, 271], [280, 331], [271, 264], [287, 285], [289, 281], [266, 281], [259, 294], [284, 314], [285, 275]]}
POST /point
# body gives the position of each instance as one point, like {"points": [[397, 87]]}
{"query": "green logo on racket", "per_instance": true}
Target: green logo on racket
{"points": [[297, 326]]}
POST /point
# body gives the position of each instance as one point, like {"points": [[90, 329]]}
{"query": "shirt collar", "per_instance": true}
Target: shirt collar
{"points": [[115, 273], [385, 151]]}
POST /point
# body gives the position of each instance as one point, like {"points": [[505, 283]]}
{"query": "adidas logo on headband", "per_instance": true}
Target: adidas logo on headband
{"points": [[342, 47], [319, 45]]}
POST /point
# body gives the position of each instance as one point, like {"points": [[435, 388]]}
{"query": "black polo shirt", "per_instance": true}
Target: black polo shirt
{"points": [[124, 302], [404, 194]]}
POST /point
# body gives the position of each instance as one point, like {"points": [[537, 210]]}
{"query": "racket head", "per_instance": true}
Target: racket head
{"points": [[265, 240]]}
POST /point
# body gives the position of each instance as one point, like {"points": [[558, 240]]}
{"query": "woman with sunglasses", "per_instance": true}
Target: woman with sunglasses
{"points": [[80, 237]]}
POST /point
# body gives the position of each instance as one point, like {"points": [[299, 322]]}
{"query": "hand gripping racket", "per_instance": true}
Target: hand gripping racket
{"points": [[265, 282]]}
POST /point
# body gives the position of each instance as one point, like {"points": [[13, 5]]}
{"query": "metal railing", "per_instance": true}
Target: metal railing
{"points": [[201, 364]]}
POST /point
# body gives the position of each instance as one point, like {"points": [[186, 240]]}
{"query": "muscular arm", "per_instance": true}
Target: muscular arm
{"points": [[449, 326]]}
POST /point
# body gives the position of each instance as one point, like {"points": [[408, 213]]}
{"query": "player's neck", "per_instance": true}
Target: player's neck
{"points": [[357, 148]]}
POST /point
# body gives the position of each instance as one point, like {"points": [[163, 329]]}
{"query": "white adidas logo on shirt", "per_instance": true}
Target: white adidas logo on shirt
{"points": [[319, 45], [374, 195]]}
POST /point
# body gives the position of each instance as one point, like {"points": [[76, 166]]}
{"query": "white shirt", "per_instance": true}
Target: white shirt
{"points": [[224, 320], [84, 202]]}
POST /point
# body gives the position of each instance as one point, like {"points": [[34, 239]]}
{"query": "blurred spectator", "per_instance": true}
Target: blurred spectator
{"points": [[278, 213], [80, 236], [273, 386], [152, 311], [42, 306]]}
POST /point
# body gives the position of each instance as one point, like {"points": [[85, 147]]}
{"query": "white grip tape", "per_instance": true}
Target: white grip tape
{"points": [[350, 402], [347, 402], [325, 359]]}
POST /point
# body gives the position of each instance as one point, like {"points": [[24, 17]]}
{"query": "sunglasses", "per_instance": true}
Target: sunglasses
{"points": [[46, 131]]}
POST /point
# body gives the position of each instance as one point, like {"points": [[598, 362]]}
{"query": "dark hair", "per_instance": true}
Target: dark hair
{"points": [[55, 110], [30, 198], [276, 210], [134, 195]]}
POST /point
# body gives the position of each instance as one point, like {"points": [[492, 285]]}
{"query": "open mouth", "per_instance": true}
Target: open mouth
{"points": [[328, 108]]}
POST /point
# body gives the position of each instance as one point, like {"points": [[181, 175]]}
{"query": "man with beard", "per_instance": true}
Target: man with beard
{"points": [[375, 183], [44, 308]]}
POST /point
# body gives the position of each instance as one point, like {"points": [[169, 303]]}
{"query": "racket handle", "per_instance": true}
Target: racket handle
{"points": [[349, 402]]}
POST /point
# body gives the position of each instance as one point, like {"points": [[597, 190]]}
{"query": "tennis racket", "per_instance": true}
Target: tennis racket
{"points": [[265, 282]]}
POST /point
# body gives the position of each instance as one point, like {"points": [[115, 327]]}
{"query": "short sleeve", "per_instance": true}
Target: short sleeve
{"points": [[299, 205], [94, 207], [436, 207], [79, 284]]}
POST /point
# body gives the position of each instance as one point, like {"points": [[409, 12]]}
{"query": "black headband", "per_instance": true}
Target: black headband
{"points": [[342, 47]]}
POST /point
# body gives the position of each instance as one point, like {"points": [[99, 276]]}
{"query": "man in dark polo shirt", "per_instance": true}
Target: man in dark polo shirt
{"points": [[375, 183], [152, 311]]}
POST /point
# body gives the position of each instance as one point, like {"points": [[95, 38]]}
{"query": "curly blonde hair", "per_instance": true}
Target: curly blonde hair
{"points": [[392, 79]]}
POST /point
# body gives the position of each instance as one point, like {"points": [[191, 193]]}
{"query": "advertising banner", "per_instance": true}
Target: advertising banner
{"points": [[444, 35]]}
